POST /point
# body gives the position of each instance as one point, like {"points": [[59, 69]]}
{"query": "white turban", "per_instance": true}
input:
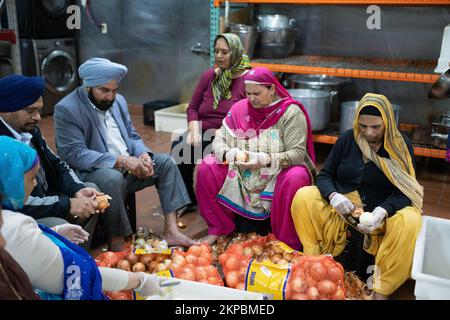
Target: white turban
{"points": [[99, 71]]}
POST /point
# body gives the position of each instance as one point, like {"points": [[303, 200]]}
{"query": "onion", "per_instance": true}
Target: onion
{"points": [[257, 249], [179, 260], [132, 258], [160, 257], [248, 252], [190, 258], [277, 248], [310, 281], [242, 273], [211, 271], [339, 295], [283, 262], [146, 258], [318, 271], [195, 250], [240, 286], [232, 263], [287, 256], [335, 274], [187, 274], [275, 258], [152, 265], [214, 281], [232, 279], [139, 267], [299, 296], [223, 258], [238, 249], [203, 261], [200, 273], [205, 249], [298, 284], [312, 293], [124, 265], [326, 287]]}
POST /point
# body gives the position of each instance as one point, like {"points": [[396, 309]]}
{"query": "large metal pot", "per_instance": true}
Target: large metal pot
{"points": [[248, 36], [348, 111], [320, 82], [277, 21], [275, 43], [317, 104]]}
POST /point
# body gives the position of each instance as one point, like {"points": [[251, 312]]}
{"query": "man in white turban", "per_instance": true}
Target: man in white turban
{"points": [[95, 136]]}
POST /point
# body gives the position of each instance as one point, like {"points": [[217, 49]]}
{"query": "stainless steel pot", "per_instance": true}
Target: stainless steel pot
{"points": [[277, 21], [275, 43], [348, 111], [273, 35], [331, 84], [317, 104], [248, 36]]}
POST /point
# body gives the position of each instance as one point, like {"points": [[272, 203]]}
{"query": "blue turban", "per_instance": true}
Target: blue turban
{"points": [[18, 92], [16, 159], [98, 71]]}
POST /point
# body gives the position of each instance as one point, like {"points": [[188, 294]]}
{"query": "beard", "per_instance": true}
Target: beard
{"points": [[102, 105]]}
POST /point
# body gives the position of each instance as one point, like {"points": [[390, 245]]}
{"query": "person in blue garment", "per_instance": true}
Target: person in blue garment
{"points": [[56, 267]]}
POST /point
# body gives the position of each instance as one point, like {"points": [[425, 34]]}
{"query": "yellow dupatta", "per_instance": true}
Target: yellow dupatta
{"points": [[399, 168]]}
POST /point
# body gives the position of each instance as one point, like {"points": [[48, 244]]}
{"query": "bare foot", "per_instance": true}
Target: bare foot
{"points": [[209, 239], [379, 296], [176, 238]]}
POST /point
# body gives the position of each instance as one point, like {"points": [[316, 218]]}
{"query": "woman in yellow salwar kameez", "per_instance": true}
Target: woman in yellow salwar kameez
{"points": [[370, 166]]}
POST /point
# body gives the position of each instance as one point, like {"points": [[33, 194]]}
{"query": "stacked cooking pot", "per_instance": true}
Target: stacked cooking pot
{"points": [[276, 36]]}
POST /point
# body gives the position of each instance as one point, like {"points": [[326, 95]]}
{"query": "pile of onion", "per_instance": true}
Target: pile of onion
{"points": [[235, 269], [316, 278], [195, 265], [150, 262]]}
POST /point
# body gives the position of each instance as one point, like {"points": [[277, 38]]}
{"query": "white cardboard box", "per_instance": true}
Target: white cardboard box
{"points": [[431, 264], [172, 119], [190, 290]]}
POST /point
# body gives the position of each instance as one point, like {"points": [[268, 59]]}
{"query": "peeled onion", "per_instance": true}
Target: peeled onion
{"points": [[132, 258], [139, 267], [124, 265], [146, 258]]}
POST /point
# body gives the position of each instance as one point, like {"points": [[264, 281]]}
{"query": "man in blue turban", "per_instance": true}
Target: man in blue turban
{"points": [[59, 195], [95, 135]]}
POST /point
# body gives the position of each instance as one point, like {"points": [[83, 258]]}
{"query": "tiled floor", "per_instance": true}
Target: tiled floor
{"points": [[431, 173]]}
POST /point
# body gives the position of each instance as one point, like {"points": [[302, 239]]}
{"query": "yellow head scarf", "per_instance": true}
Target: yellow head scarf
{"points": [[399, 168]]}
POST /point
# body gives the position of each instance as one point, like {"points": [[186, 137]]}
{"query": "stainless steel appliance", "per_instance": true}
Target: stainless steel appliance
{"points": [[317, 104], [56, 61]]}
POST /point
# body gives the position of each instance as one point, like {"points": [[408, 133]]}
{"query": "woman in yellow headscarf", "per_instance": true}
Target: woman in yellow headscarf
{"points": [[371, 166]]}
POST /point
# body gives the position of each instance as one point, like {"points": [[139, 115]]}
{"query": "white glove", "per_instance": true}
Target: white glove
{"points": [[74, 233], [378, 219], [256, 160], [149, 284], [231, 154], [341, 204]]}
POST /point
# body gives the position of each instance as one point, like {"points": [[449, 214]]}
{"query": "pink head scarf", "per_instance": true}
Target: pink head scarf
{"points": [[243, 116]]}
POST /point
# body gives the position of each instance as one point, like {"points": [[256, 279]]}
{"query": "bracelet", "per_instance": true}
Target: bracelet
{"points": [[124, 161]]}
